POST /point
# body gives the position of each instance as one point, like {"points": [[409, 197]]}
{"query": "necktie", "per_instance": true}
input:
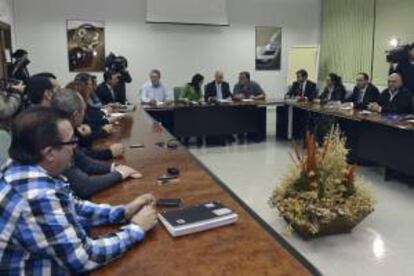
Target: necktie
{"points": [[361, 96], [301, 94]]}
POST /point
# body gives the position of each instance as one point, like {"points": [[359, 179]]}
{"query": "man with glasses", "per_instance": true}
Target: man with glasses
{"points": [[44, 227]]}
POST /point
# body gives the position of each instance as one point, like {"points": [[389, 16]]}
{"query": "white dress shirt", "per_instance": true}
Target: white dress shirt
{"points": [[219, 90], [158, 93], [362, 94]]}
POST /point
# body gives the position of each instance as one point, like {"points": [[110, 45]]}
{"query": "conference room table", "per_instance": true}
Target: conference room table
{"points": [[383, 139], [248, 247], [210, 119]]}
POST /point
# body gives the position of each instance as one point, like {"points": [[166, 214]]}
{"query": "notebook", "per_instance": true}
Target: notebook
{"points": [[197, 218]]}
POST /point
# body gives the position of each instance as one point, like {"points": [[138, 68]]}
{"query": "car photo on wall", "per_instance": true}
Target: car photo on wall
{"points": [[268, 48]]}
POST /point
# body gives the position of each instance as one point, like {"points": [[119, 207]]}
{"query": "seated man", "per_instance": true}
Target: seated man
{"points": [[70, 105], [364, 92], [302, 87], [395, 99], [248, 89], [106, 90], [217, 89], [39, 91], [153, 91], [43, 224], [52, 77]]}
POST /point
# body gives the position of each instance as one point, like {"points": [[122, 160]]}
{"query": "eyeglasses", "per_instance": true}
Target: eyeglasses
{"points": [[72, 142]]}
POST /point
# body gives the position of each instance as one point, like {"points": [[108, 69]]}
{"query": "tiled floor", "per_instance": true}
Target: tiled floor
{"points": [[383, 244]]}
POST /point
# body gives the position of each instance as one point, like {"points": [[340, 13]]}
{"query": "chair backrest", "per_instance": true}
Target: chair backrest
{"points": [[177, 92], [5, 141]]}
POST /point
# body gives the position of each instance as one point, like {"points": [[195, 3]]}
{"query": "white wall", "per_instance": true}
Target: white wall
{"points": [[6, 11], [7, 14], [179, 51]]}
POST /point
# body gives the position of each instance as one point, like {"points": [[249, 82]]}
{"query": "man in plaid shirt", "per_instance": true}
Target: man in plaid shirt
{"points": [[42, 226]]}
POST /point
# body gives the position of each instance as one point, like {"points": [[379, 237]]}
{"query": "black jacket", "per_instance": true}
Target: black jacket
{"points": [[372, 95], [310, 90], [338, 94], [21, 74], [120, 89], [406, 69], [105, 95], [211, 91], [84, 185], [402, 103]]}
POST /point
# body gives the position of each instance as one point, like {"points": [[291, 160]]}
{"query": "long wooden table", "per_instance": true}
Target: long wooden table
{"points": [[383, 139], [249, 247]]}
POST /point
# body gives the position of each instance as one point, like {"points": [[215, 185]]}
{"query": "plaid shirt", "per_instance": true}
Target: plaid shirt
{"points": [[42, 226]]}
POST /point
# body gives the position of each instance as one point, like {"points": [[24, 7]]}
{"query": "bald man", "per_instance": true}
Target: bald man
{"points": [[217, 89], [396, 99]]}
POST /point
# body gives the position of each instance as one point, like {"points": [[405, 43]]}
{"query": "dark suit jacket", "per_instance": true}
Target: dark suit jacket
{"points": [[211, 91], [120, 89], [402, 103], [22, 74], [88, 176], [310, 90], [338, 94], [104, 94], [406, 69], [372, 95]]}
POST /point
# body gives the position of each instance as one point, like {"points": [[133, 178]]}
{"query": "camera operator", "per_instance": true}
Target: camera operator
{"points": [[19, 69], [403, 56], [119, 65], [10, 103]]}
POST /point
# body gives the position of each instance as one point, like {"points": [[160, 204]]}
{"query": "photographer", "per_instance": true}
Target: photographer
{"points": [[403, 57], [10, 102], [19, 69], [119, 65]]}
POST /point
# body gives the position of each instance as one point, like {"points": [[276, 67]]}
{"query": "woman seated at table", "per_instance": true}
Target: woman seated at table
{"points": [[334, 90], [192, 93]]}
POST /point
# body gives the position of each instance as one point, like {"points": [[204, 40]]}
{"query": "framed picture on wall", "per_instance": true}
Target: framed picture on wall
{"points": [[268, 48], [86, 45]]}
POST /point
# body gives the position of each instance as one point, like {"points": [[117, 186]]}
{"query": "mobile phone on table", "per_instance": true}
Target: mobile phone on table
{"points": [[169, 202]]}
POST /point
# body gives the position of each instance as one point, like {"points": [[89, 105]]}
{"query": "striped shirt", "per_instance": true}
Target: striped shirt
{"points": [[43, 227]]}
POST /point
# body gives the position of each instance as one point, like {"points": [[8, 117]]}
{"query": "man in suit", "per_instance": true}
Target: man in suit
{"points": [[217, 89], [395, 99], [106, 90], [364, 92], [302, 87]]}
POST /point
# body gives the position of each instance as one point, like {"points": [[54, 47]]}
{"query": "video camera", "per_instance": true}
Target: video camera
{"points": [[116, 63], [399, 54]]}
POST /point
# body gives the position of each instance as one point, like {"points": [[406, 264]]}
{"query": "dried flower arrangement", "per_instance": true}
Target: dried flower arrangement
{"points": [[320, 194]]}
